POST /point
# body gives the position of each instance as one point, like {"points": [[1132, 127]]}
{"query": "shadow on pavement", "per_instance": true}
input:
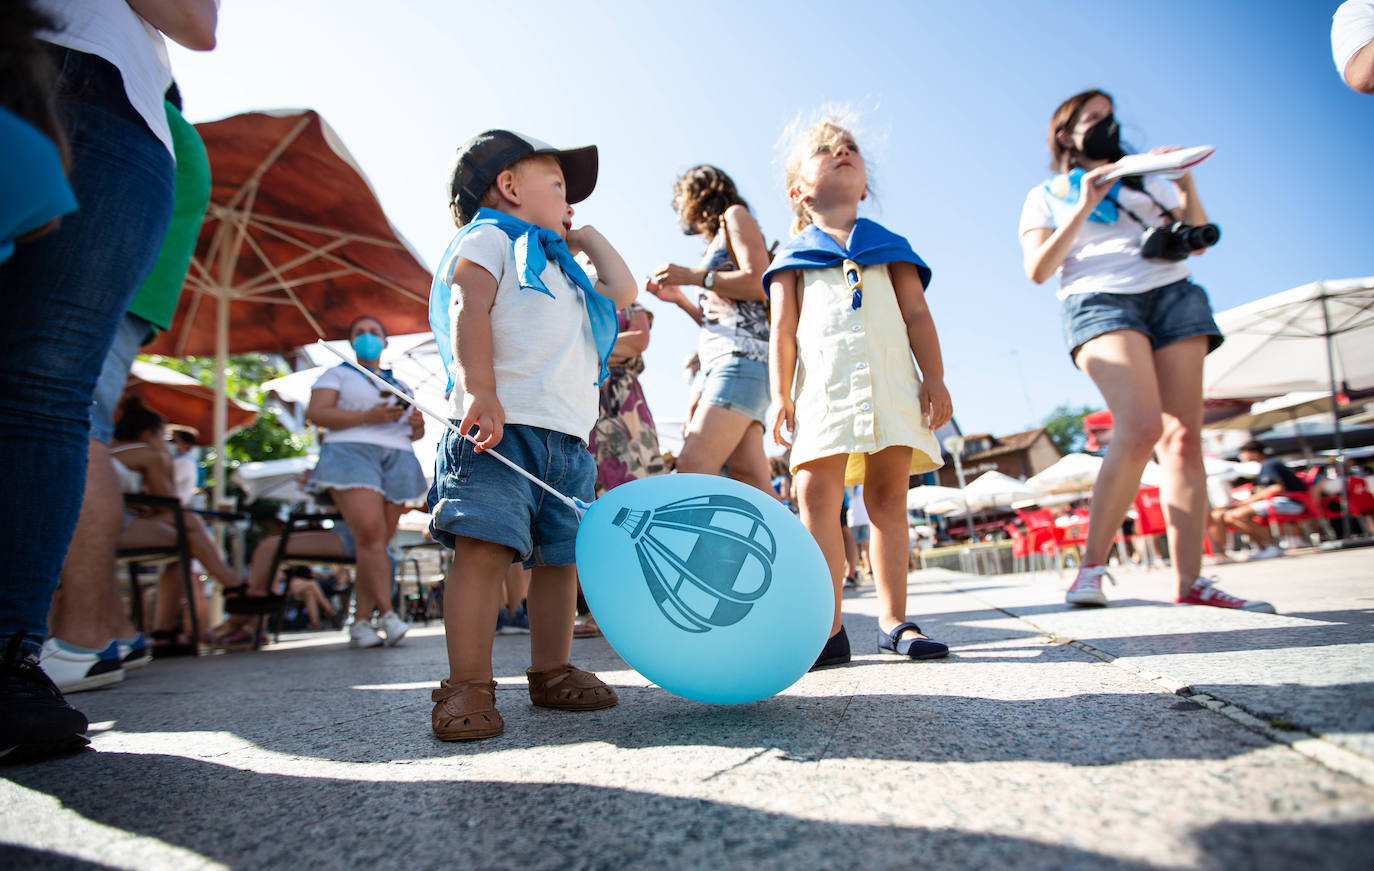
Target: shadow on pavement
{"points": [[245, 819]]}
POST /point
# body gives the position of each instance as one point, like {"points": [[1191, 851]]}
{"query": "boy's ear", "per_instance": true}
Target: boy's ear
{"points": [[506, 186]]}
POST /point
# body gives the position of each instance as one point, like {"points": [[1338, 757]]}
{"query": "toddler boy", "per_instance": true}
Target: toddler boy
{"points": [[527, 336]]}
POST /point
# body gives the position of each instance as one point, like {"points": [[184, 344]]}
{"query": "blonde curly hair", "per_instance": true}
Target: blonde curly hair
{"points": [[830, 127]]}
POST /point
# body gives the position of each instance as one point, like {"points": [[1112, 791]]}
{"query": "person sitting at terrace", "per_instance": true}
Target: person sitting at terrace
{"points": [[1271, 499]]}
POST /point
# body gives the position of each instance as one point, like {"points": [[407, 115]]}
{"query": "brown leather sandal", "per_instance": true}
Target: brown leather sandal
{"points": [[466, 710], [569, 688]]}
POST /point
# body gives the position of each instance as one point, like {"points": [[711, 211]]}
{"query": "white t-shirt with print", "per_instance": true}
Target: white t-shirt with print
{"points": [[1352, 28], [543, 350], [357, 392], [1105, 258]]}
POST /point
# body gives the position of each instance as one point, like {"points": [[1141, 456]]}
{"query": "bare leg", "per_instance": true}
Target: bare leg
{"points": [[1122, 366], [365, 513], [79, 610], [717, 435], [472, 596], [517, 586], [1242, 517], [851, 551], [552, 603], [885, 481], [1184, 490], [820, 493]]}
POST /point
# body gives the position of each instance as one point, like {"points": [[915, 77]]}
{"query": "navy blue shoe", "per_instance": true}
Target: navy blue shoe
{"points": [[835, 652], [911, 648]]}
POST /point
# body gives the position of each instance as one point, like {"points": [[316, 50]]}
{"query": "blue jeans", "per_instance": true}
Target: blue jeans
{"points": [[65, 294]]}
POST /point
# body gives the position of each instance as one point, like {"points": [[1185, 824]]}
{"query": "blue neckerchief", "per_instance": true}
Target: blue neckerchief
{"points": [[533, 248], [870, 243], [1061, 195]]}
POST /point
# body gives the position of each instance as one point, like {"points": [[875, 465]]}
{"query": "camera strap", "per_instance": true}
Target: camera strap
{"points": [[1168, 215]]}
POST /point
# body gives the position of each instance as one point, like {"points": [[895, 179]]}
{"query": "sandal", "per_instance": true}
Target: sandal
{"points": [[169, 642], [238, 600], [585, 627], [239, 639], [569, 688], [466, 710], [912, 648]]}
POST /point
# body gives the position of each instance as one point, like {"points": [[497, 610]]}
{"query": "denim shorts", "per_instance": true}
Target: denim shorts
{"points": [[1279, 506], [393, 472], [861, 532], [738, 384], [114, 374], [477, 496], [1165, 315]]}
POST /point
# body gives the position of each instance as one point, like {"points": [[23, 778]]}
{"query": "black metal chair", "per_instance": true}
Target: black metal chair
{"points": [[176, 552]]}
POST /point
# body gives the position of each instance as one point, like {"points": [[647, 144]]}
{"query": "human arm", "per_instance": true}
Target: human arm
{"points": [[746, 242], [190, 23], [634, 341], [673, 293], [1352, 44], [785, 311], [474, 293], [1359, 73], [1189, 207], [324, 411], [1043, 249], [613, 278], [925, 343], [416, 419]]}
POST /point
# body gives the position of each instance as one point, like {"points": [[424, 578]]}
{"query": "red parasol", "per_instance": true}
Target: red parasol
{"points": [[293, 247], [184, 400]]}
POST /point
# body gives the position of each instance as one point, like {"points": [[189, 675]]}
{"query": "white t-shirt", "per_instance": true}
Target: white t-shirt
{"points": [[1105, 258], [858, 512], [1352, 28], [357, 392], [112, 30], [543, 351]]}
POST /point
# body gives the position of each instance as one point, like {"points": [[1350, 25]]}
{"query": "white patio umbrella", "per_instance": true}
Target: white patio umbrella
{"points": [[275, 479], [1319, 336], [996, 490], [1268, 412], [1073, 473], [925, 498]]}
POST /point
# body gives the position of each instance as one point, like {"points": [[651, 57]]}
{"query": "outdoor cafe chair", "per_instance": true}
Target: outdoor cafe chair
{"points": [[177, 551], [1149, 523]]}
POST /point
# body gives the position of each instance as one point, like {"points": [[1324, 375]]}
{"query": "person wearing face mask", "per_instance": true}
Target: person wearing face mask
{"points": [[369, 470], [1136, 324]]}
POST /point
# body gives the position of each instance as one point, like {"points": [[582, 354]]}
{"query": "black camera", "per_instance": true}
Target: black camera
{"points": [[1178, 240]]}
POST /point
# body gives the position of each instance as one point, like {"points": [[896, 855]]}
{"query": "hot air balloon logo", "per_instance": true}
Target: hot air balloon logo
{"points": [[706, 559]]}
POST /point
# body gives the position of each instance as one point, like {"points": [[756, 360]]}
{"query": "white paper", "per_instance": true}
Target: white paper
{"points": [[1169, 162]]}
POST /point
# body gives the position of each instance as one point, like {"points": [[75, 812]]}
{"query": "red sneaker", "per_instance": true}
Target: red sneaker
{"points": [[1204, 592]]}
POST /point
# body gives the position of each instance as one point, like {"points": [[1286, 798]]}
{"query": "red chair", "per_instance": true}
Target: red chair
{"points": [[1020, 548], [1043, 534], [1149, 521]]}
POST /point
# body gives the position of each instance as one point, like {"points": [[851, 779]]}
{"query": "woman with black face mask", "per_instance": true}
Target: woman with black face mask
{"points": [[1140, 329]]}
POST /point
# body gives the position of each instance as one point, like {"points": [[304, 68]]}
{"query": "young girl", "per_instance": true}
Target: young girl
{"points": [[848, 303]]}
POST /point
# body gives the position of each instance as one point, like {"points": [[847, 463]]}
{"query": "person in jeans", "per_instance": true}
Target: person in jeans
{"points": [[66, 293], [1137, 325]]}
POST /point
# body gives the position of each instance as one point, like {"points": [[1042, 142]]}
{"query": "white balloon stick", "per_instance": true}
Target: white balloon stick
{"points": [[575, 504]]}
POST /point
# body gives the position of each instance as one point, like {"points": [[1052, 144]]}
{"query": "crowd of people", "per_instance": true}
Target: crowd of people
{"points": [[536, 319]]}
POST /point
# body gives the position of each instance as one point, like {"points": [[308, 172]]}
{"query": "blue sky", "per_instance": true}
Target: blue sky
{"points": [[955, 100]]}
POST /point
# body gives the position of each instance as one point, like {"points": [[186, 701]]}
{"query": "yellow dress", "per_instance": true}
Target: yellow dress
{"points": [[857, 389]]}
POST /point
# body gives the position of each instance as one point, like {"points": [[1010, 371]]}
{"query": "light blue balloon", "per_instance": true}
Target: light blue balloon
{"points": [[708, 587]]}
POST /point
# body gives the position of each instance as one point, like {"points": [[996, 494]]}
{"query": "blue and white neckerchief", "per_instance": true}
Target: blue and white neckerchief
{"points": [[533, 248], [869, 244]]}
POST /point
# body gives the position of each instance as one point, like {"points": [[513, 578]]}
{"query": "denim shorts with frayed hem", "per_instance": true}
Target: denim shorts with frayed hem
{"points": [[477, 496], [393, 472], [737, 384], [1165, 315]]}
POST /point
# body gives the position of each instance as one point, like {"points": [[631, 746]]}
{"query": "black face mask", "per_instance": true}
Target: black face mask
{"points": [[1102, 141]]}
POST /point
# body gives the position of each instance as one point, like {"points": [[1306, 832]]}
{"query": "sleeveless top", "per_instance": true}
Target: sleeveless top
{"points": [[129, 480], [741, 330], [857, 388]]}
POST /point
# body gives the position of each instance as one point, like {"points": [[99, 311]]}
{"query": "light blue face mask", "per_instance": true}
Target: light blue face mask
{"points": [[368, 346]]}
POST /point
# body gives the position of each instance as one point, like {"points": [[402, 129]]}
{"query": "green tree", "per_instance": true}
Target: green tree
{"points": [[1064, 426], [266, 438]]}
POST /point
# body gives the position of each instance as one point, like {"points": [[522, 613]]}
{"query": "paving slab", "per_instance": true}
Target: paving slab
{"points": [[1022, 750]]}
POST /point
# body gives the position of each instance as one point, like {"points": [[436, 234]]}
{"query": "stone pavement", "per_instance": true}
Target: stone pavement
{"points": [[1144, 735]]}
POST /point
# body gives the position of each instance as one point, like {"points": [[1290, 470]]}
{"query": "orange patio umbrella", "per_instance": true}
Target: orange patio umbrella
{"points": [[184, 400], [293, 247]]}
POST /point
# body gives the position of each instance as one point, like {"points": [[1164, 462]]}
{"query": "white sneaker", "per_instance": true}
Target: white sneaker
{"points": [[75, 669], [394, 628], [363, 634], [1087, 587], [1269, 552]]}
